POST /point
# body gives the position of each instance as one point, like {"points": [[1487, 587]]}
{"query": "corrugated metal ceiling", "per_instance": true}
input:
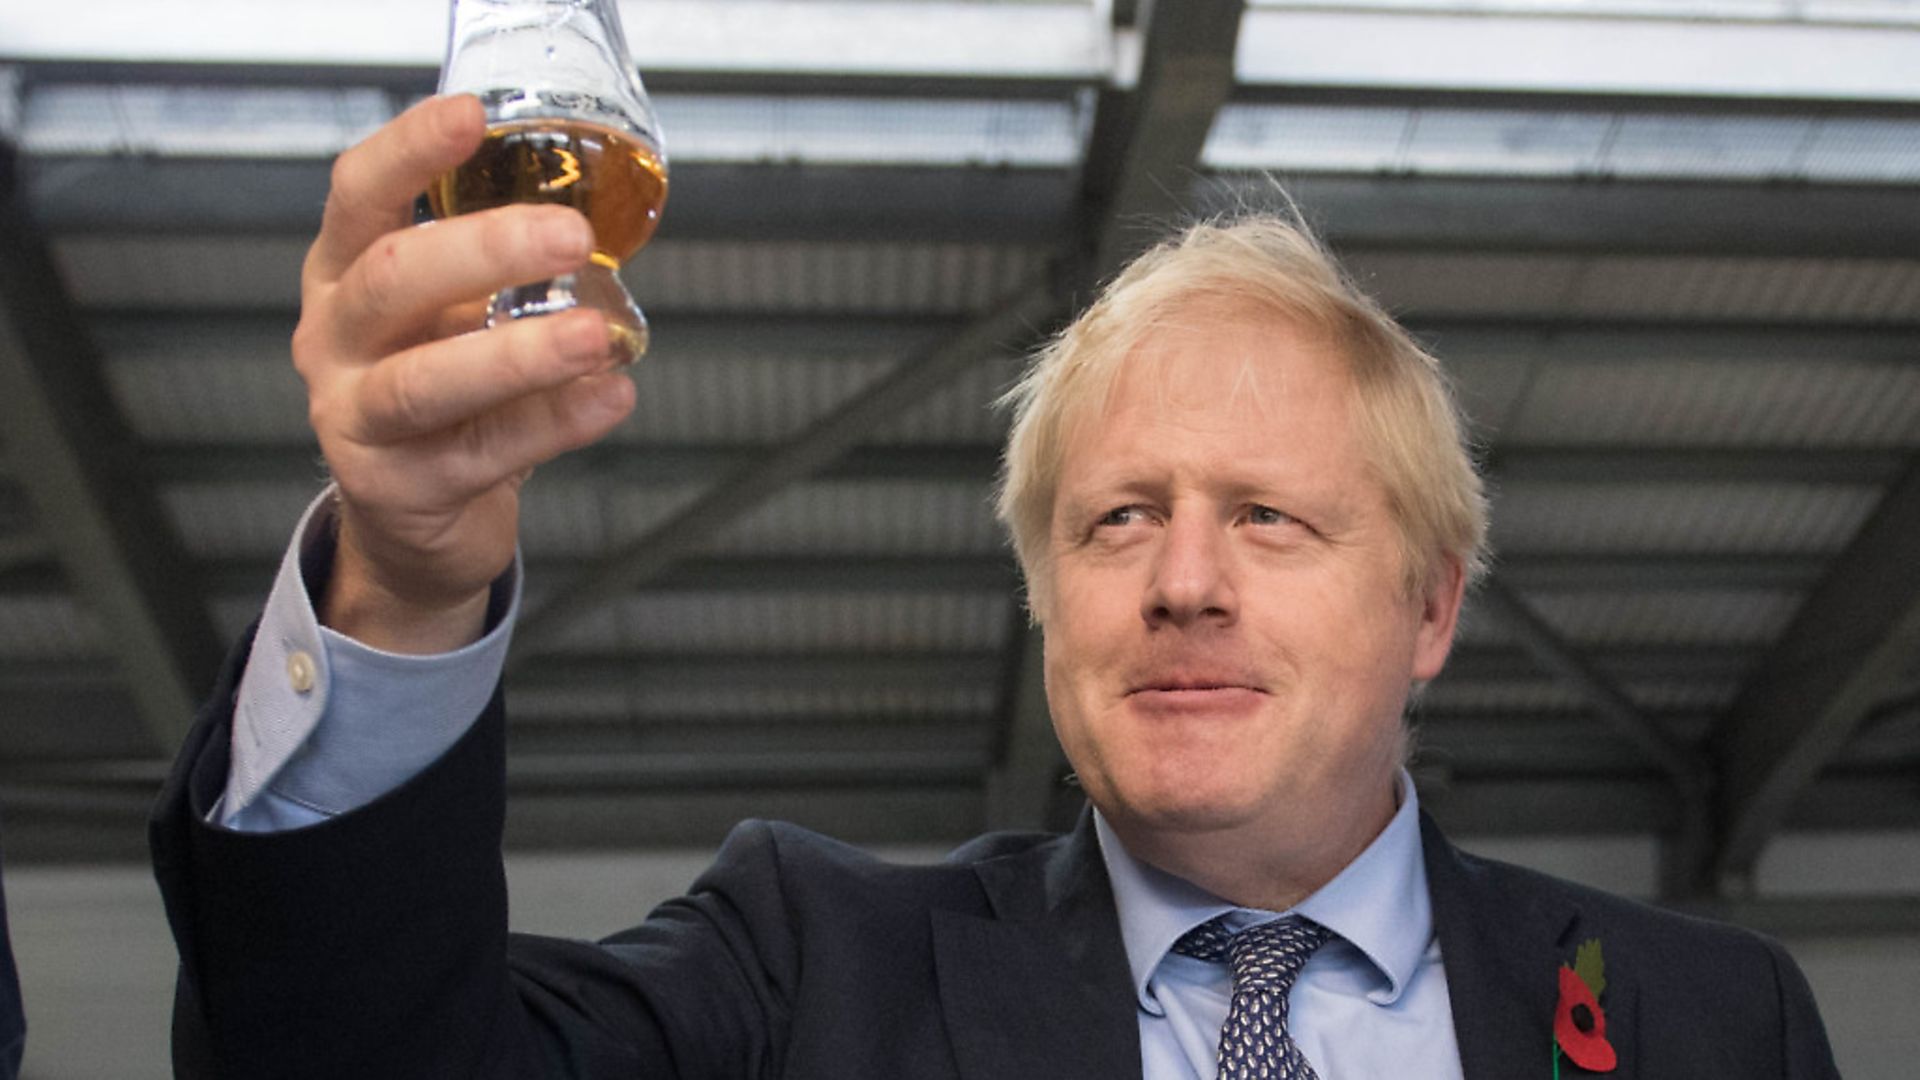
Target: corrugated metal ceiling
{"points": [[1630, 397]]}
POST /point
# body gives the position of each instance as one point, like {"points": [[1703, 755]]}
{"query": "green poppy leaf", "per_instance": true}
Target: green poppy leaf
{"points": [[1591, 967]]}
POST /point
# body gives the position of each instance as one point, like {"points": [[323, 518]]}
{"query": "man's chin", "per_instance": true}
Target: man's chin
{"points": [[1191, 815]]}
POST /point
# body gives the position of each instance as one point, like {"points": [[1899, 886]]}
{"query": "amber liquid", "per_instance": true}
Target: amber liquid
{"points": [[610, 176]]}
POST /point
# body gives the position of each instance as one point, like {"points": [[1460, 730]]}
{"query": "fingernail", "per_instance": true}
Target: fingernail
{"points": [[610, 390]]}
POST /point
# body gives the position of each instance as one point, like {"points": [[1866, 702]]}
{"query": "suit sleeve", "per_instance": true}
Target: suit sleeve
{"points": [[375, 944]]}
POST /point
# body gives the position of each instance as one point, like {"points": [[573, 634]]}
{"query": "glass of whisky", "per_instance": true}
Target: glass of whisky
{"points": [[568, 122]]}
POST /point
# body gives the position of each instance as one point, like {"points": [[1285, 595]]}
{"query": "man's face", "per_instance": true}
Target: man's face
{"points": [[1229, 642]]}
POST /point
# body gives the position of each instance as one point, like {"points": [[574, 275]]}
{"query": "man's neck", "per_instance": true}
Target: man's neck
{"points": [[1270, 865]]}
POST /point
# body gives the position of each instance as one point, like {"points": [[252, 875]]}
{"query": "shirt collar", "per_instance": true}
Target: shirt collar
{"points": [[1378, 903]]}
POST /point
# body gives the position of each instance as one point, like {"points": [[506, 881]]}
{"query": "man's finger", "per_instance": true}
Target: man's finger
{"points": [[445, 383], [461, 463], [376, 181], [408, 278]]}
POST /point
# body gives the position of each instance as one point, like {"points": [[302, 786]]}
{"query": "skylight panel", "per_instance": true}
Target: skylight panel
{"points": [[1550, 143]]}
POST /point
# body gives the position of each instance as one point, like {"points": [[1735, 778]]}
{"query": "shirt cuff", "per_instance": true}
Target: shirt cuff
{"points": [[323, 724]]}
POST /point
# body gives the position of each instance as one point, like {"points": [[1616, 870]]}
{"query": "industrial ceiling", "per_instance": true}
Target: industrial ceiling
{"points": [[1669, 250]]}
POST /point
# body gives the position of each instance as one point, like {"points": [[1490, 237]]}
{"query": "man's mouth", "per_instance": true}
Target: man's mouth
{"points": [[1210, 699], [1193, 684]]}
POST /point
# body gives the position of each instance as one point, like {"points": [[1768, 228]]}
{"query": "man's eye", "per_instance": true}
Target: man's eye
{"points": [[1267, 515], [1121, 515]]}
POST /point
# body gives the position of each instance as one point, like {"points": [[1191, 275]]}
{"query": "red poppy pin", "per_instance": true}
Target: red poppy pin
{"points": [[1579, 1024]]}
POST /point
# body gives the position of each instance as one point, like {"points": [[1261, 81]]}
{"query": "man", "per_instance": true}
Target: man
{"points": [[1242, 502]]}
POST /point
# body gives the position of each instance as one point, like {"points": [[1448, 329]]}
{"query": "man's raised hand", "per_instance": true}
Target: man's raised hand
{"points": [[428, 423]]}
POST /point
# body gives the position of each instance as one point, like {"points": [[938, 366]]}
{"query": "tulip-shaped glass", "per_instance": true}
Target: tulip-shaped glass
{"points": [[568, 122]]}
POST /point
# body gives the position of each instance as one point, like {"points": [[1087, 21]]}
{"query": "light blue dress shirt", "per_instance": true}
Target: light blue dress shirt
{"points": [[323, 725], [1371, 1002]]}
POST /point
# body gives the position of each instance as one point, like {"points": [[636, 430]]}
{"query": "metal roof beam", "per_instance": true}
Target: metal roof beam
{"points": [[1547, 572], [637, 463], [863, 573], [662, 463], [1850, 648], [623, 463], [784, 200], [1146, 139], [805, 671], [647, 770], [698, 337], [1620, 663], [1539, 640], [70, 452], [150, 195], [1031, 307], [35, 572], [1686, 769], [1691, 465], [229, 576], [724, 733], [1603, 340], [799, 337], [829, 338], [1580, 216]]}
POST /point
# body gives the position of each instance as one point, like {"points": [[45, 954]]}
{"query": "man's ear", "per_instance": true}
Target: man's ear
{"points": [[1439, 618]]}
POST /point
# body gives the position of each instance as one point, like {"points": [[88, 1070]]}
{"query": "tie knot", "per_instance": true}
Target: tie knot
{"points": [[1264, 957], [1266, 961]]}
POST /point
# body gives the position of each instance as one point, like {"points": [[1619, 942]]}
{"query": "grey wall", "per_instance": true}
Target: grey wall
{"points": [[97, 965]]}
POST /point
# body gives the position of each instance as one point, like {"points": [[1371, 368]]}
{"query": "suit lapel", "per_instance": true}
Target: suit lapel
{"points": [[1041, 987], [1503, 946]]}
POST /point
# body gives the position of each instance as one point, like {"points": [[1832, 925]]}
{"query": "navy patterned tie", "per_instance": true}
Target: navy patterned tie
{"points": [[1266, 959]]}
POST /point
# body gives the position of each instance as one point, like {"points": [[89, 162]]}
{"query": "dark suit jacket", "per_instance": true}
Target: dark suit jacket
{"points": [[376, 945]]}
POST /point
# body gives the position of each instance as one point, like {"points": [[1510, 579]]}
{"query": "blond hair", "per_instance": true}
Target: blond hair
{"points": [[1408, 420]]}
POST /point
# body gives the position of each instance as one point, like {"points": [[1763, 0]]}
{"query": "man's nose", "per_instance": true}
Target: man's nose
{"points": [[1193, 578]]}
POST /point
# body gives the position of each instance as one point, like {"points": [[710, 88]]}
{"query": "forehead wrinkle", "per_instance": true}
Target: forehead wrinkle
{"points": [[1247, 381], [1273, 337], [1156, 383], [1162, 466], [1268, 347]]}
